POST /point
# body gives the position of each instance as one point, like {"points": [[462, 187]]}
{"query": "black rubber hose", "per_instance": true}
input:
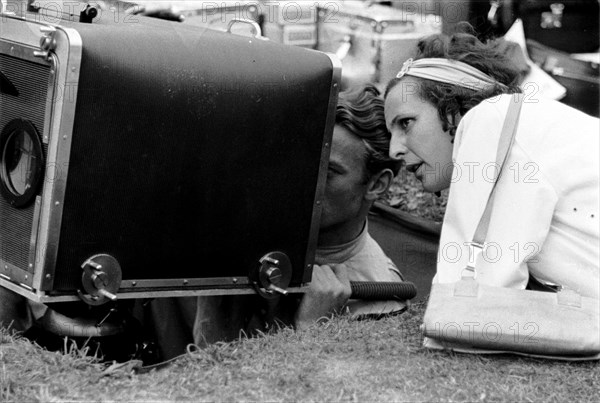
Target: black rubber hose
{"points": [[381, 290]]}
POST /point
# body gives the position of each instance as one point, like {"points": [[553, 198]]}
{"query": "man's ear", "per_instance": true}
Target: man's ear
{"points": [[379, 184]]}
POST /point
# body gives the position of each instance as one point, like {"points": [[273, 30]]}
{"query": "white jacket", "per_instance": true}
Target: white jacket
{"points": [[546, 211]]}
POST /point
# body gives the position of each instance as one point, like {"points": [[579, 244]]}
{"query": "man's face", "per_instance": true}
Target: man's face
{"points": [[346, 180]]}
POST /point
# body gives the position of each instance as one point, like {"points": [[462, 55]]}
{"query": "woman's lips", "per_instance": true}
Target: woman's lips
{"points": [[416, 170], [413, 167]]}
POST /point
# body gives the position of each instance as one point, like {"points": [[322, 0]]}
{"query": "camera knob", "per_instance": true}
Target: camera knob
{"points": [[101, 279], [274, 274], [88, 14]]}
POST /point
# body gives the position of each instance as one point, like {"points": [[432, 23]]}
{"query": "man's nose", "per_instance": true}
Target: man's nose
{"points": [[397, 147]]}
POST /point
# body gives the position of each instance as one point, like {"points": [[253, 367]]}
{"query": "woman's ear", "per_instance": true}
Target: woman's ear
{"points": [[379, 184]]}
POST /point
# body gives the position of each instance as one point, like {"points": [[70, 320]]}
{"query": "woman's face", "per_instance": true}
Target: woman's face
{"points": [[418, 137]]}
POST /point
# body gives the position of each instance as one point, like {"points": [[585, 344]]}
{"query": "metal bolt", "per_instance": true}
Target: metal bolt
{"points": [[30, 265], [318, 202], [56, 203], [100, 280], [271, 260], [107, 294], [235, 280], [48, 276], [185, 282], [274, 288], [133, 283], [274, 275], [94, 265]]}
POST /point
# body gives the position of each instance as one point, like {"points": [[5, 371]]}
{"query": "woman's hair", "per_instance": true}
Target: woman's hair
{"points": [[361, 112], [450, 99]]}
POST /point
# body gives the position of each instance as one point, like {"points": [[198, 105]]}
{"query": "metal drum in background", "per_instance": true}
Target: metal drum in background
{"points": [[373, 42]]}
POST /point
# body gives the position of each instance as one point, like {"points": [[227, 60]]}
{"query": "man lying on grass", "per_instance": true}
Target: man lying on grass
{"points": [[360, 171]]}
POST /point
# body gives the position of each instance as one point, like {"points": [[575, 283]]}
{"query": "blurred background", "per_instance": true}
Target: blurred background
{"points": [[554, 43]]}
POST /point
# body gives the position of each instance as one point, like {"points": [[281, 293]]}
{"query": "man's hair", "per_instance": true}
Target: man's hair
{"points": [[450, 99], [360, 111]]}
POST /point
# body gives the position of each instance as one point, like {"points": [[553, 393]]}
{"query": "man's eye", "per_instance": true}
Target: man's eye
{"points": [[332, 171]]}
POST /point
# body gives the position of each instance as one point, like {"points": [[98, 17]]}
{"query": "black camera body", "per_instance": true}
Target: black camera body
{"points": [[146, 158]]}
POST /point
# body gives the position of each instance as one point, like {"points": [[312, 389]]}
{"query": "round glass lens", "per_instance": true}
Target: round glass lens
{"points": [[21, 161]]}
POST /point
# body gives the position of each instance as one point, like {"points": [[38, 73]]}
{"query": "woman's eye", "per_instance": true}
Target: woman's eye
{"points": [[404, 123]]}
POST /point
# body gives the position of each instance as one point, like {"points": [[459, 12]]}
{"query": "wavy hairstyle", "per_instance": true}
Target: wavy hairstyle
{"points": [[361, 112], [452, 100]]}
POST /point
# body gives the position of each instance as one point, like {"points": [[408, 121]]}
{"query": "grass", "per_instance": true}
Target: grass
{"points": [[337, 360]]}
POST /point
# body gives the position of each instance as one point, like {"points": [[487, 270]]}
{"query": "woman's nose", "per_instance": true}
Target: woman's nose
{"points": [[397, 147]]}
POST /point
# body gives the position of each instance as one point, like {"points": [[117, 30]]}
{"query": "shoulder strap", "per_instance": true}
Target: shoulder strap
{"points": [[507, 138]]}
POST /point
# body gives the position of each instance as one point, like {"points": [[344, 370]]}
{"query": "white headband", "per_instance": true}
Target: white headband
{"points": [[448, 71]]}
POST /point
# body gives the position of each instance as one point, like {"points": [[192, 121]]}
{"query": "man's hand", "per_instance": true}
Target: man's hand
{"points": [[329, 291]]}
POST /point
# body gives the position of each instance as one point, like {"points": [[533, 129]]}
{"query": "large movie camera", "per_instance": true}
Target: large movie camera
{"points": [[145, 158]]}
